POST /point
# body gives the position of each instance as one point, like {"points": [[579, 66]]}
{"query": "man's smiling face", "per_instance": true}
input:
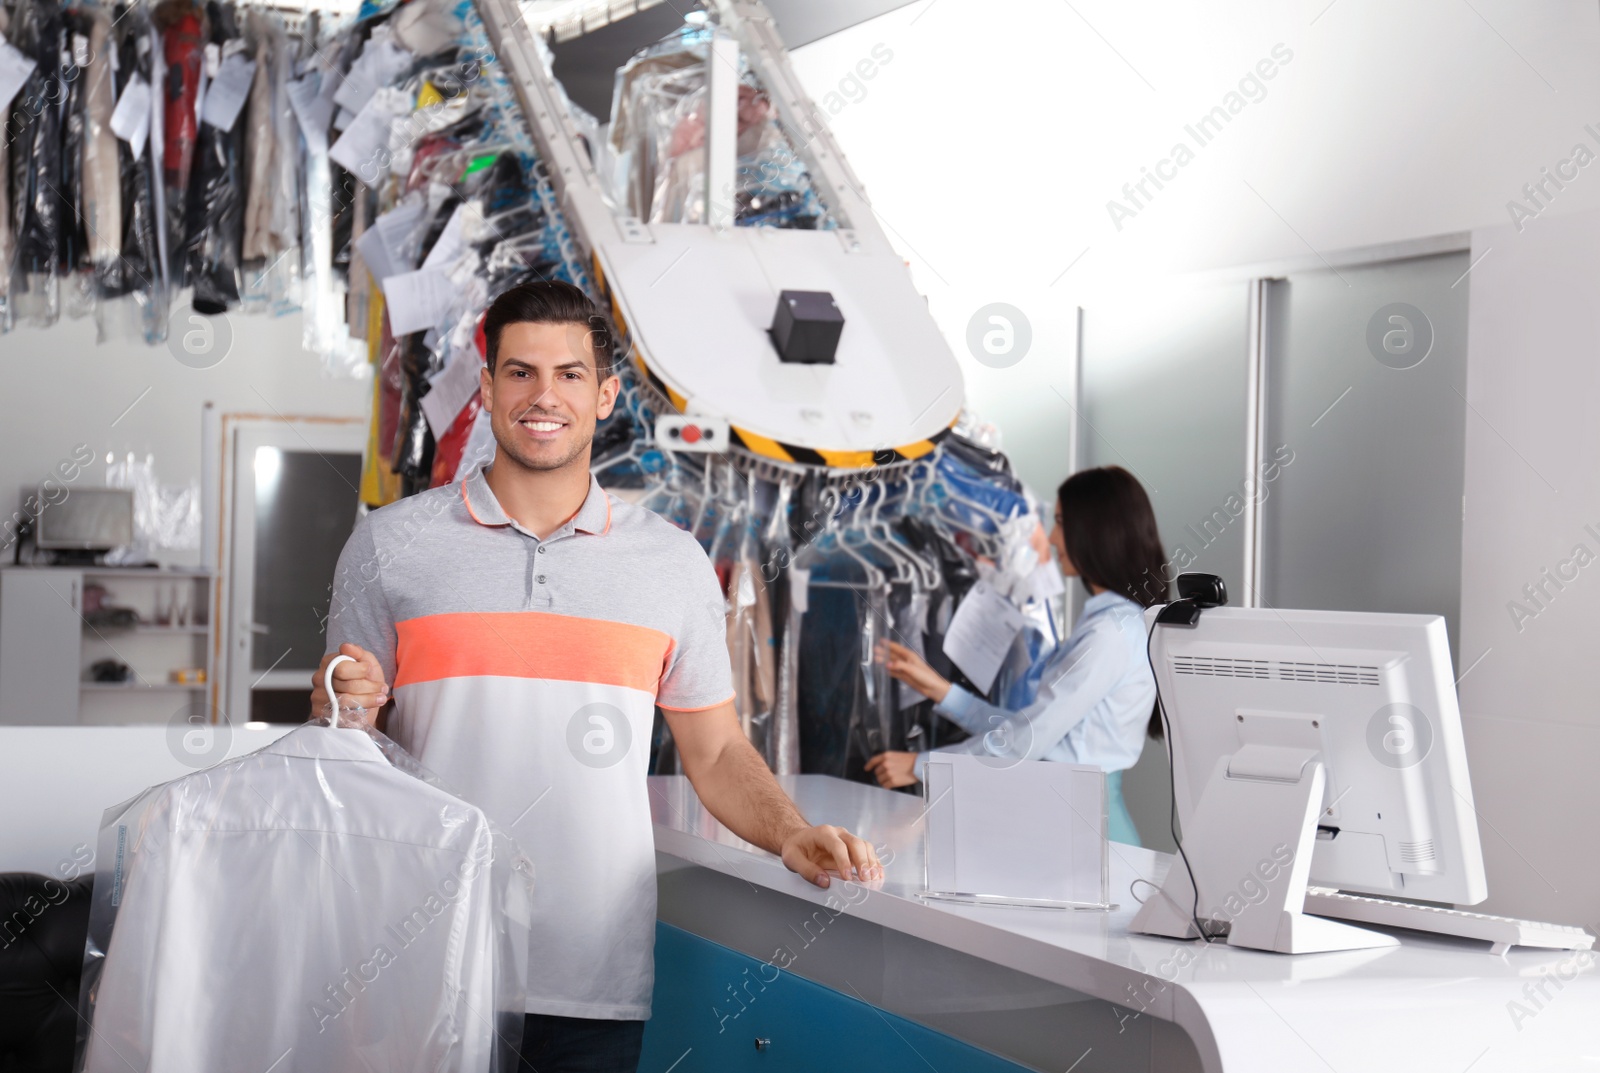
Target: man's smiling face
{"points": [[545, 395]]}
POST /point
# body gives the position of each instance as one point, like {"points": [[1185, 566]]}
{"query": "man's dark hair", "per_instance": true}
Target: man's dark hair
{"points": [[548, 302], [1109, 530]]}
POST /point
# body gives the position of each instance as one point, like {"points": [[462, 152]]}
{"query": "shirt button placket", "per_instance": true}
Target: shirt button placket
{"points": [[528, 581]]}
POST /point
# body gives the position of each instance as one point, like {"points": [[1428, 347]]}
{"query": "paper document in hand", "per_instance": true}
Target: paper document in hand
{"points": [[980, 634], [417, 300]]}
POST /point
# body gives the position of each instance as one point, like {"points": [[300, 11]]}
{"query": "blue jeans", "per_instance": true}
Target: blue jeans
{"points": [[552, 1044]]}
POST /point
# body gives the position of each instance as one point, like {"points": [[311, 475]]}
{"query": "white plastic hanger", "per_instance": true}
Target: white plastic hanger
{"points": [[327, 684]]}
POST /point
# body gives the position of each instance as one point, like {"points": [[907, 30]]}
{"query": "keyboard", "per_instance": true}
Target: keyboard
{"points": [[1501, 932]]}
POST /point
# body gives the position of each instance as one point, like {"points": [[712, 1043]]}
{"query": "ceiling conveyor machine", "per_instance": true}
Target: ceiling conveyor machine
{"points": [[811, 344]]}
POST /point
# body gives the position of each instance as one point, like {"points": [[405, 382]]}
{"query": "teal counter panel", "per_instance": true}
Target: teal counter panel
{"points": [[712, 1004]]}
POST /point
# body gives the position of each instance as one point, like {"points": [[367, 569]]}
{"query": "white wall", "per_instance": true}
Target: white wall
{"points": [[1529, 697], [61, 389], [57, 782], [992, 140]]}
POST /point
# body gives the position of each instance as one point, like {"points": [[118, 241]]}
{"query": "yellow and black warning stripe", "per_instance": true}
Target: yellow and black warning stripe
{"points": [[617, 320], [766, 447]]}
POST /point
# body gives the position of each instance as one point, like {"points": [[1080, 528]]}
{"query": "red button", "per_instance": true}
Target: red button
{"points": [[691, 433]]}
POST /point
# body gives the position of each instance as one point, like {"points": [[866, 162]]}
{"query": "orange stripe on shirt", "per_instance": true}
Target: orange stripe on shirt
{"points": [[529, 644]]}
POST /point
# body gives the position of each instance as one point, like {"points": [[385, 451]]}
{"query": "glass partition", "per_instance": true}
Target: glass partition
{"points": [[1165, 394], [1364, 389]]}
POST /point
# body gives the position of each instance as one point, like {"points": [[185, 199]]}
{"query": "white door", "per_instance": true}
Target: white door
{"points": [[293, 496]]}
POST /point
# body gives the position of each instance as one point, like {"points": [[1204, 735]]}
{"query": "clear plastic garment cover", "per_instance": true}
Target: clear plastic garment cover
{"points": [[323, 901]]}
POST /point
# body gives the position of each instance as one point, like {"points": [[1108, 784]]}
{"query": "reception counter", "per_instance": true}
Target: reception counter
{"points": [[757, 969]]}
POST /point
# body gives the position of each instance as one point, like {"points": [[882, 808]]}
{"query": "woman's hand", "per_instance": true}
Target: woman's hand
{"points": [[910, 668], [894, 770]]}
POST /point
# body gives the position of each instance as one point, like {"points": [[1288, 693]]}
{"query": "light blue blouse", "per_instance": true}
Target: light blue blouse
{"points": [[1093, 705]]}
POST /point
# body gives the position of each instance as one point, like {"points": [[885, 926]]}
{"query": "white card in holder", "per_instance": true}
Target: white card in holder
{"points": [[1030, 833]]}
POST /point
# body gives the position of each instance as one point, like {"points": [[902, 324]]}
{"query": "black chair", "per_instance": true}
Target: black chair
{"points": [[43, 925]]}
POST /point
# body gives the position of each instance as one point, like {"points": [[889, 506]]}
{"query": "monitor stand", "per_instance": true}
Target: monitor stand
{"points": [[1249, 844]]}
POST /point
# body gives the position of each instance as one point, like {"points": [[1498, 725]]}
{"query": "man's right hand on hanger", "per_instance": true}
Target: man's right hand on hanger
{"points": [[360, 682]]}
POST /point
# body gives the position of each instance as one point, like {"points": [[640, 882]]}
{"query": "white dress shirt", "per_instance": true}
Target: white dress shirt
{"points": [[305, 907]]}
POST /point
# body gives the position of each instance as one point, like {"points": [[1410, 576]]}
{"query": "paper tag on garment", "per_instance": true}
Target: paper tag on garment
{"points": [[980, 634], [363, 148], [746, 594], [417, 300], [1046, 580], [213, 59], [450, 390], [799, 588], [387, 246], [14, 71], [80, 50], [380, 63], [447, 247], [130, 120], [226, 96]]}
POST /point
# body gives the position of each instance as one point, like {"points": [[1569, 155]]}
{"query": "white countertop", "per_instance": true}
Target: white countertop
{"points": [[1433, 1003]]}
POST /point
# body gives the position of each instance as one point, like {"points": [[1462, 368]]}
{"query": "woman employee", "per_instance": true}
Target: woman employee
{"points": [[1096, 695]]}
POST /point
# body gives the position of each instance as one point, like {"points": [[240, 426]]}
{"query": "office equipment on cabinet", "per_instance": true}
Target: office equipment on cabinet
{"points": [[1319, 771], [696, 292]]}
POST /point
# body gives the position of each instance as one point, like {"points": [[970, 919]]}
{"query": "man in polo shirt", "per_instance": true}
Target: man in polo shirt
{"points": [[526, 625]]}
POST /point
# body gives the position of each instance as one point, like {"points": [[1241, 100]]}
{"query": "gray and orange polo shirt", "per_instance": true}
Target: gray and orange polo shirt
{"points": [[525, 674]]}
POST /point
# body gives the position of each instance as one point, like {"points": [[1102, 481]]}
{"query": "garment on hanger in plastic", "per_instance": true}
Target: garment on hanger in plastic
{"points": [[323, 898]]}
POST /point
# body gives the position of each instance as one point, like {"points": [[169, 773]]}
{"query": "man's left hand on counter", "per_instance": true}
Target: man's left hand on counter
{"points": [[737, 787], [814, 852]]}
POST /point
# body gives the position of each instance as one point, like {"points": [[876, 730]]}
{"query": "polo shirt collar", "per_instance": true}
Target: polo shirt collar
{"points": [[593, 517]]}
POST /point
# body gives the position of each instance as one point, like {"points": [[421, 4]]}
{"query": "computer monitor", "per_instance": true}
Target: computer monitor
{"points": [[88, 519], [1257, 699]]}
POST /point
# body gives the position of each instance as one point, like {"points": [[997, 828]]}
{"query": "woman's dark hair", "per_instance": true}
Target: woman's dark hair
{"points": [[1109, 530], [547, 302]]}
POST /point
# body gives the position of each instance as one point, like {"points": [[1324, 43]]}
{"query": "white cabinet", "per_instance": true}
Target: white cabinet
{"points": [[40, 638], [49, 645]]}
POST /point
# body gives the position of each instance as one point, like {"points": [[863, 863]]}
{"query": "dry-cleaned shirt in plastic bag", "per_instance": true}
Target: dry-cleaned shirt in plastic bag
{"points": [[308, 902]]}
